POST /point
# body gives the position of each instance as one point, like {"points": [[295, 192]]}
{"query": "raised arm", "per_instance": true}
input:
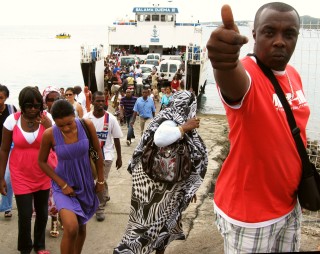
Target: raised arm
{"points": [[224, 47]]}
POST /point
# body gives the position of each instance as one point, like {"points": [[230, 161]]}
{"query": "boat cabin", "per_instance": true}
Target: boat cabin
{"points": [[154, 30]]}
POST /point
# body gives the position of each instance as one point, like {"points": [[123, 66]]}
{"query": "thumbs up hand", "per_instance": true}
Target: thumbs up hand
{"points": [[225, 42]]}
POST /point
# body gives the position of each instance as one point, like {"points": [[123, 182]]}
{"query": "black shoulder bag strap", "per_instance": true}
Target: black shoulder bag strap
{"points": [[295, 131]]}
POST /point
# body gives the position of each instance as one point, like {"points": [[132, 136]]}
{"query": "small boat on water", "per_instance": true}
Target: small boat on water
{"points": [[63, 36]]}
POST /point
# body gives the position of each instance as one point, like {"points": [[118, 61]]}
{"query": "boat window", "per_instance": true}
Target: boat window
{"points": [[164, 67], [155, 17], [147, 17], [140, 17], [163, 18], [173, 68], [170, 17]]}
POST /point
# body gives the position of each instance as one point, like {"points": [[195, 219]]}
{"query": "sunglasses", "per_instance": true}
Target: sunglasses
{"points": [[68, 94], [32, 105]]}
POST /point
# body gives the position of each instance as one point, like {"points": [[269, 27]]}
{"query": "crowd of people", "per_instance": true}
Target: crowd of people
{"points": [[51, 177], [120, 78], [44, 158]]}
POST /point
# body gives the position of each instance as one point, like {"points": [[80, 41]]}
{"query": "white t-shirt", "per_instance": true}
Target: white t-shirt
{"points": [[139, 81], [81, 98], [106, 133], [30, 137], [138, 71]]}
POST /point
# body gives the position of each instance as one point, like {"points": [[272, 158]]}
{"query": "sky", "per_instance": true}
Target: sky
{"points": [[104, 12]]}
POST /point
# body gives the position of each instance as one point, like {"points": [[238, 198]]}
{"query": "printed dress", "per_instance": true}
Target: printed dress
{"points": [[74, 168], [156, 207]]}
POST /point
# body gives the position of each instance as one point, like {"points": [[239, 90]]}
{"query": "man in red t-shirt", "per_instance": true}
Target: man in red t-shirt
{"points": [[255, 197]]}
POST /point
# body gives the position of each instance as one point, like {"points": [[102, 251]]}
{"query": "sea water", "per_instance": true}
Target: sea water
{"points": [[31, 55]]}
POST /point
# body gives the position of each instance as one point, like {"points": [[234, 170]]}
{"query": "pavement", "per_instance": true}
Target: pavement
{"points": [[198, 220]]}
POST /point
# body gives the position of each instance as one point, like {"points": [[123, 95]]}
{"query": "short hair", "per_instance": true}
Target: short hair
{"points": [[61, 109], [28, 95], [277, 6], [5, 90], [97, 93], [77, 89]]}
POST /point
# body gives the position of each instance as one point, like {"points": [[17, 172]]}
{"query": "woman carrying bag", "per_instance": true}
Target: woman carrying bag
{"points": [[156, 207]]}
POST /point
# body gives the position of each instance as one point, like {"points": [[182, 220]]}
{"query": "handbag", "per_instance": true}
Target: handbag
{"points": [[93, 154], [169, 164], [309, 187]]}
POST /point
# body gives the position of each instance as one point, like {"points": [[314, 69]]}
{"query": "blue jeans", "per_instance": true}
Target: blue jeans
{"points": [[130, 134], [6, 201]]}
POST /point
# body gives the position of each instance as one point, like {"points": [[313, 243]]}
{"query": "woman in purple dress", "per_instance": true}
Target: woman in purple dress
{"points": [[74, 191]]}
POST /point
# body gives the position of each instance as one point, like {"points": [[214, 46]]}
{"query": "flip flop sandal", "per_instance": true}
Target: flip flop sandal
{"points": [[7, 214], [43, 252]]}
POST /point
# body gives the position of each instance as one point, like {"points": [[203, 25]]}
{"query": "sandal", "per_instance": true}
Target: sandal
{"points": [[54, 227], [43, 252], [8, 214]]}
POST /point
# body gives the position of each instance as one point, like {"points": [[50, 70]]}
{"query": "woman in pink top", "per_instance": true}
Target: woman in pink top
{"points": [[30, 185]]}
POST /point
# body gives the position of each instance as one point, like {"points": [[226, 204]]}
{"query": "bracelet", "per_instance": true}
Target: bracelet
{"points": [[64, 186], [103, 182], [181, 130]]}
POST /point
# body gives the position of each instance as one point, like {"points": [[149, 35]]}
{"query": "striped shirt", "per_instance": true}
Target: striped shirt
{"points": [[128, 103]]}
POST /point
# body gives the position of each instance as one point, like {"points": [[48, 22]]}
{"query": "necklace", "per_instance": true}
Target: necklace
{"points": [[290, 84], [4, 108], [64, 135], [30, 124]]}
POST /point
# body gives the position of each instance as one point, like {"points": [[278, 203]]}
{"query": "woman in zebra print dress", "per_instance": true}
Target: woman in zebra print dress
{"points": [[156, 207]]}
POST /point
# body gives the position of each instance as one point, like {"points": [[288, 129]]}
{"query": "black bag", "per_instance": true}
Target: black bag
{"points": [[168, 164], [309, 187], [93, 154]]}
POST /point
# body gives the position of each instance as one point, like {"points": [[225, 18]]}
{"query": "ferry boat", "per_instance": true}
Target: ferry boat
{"points": [[155, 29], [92, 67]]}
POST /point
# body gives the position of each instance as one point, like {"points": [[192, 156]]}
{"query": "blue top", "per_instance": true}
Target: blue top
{"points": [[165, 99], [144, 108]]}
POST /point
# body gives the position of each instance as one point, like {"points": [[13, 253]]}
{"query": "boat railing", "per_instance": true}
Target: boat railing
{"points": [[187, 24], [123, 23]]}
